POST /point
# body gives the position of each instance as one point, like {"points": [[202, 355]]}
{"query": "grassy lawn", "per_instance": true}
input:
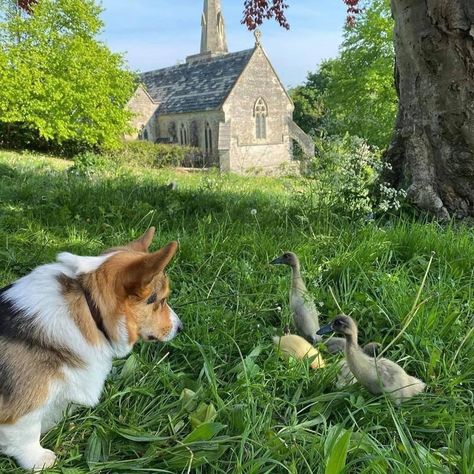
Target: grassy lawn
{"points": [[261, 413]]}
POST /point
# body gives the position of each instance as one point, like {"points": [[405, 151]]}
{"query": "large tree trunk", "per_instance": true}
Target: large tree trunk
{"points": [[432, 150]]}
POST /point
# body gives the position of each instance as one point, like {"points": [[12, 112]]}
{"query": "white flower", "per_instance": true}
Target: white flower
{"points": [[253, 212]]}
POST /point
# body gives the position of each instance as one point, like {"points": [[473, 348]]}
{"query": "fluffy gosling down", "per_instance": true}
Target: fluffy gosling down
{"points": [[376, 375], [295, 346]]}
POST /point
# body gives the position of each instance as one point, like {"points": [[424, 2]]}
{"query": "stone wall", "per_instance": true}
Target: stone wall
{"points": [[246, 151], [143, 108], [169, 127], [260, 159]]}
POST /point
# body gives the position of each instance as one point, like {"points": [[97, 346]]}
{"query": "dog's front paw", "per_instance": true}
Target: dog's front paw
{"points": [[39, 460], [46, 459]]}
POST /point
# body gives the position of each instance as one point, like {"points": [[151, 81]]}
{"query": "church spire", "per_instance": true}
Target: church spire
{"points": [[213, 40]]}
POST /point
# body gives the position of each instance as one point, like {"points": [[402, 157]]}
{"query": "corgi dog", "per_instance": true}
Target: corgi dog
{"points": [[60, 328]]}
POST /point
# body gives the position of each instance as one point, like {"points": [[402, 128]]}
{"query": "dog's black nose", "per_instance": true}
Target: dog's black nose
{"points": [[152, 338]]}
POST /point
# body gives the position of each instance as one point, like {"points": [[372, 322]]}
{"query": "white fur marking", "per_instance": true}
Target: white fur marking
{"points": [[176, 325]]}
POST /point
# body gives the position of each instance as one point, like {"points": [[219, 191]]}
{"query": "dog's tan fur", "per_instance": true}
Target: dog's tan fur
{"points": [[39, 365]]}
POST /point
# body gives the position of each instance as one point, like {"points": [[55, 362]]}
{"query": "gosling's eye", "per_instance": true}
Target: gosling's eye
{"points": [[151, 299]]}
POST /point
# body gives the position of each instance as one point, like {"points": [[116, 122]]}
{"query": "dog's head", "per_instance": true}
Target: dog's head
{"points": [[131, 289]]}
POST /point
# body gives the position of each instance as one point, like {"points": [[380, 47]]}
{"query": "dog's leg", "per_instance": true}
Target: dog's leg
{"points": [[21, 441]]}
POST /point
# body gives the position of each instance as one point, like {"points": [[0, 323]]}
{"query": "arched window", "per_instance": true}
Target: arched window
{"points": [[193, 134], [208, 138], [183, 135], [141, 132], [260, 112]]}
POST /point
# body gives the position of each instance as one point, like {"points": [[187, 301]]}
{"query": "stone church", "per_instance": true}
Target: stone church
{"points": [[232, 106]]}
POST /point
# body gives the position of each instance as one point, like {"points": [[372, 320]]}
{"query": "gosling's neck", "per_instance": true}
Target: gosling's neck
{"points": [[297, 279], [359, 363], [352, 344]]}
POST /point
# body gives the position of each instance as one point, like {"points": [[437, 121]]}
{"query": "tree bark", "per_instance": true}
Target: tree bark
{"points": [[432, 149]]}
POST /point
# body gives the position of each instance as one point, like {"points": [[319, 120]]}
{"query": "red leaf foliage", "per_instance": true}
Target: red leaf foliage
{"points": [[352, 10], [27, 5], [256, 11]]}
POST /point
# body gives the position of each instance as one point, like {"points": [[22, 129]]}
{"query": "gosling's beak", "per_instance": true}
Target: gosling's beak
{"points": [[325, 330], [277, 261]]}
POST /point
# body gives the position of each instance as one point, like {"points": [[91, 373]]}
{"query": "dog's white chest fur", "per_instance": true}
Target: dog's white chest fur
{"points": [[82, 386]]}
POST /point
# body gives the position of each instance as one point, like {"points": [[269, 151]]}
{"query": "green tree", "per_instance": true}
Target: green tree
{"points": [[360, 94], [354, 93], [310, 108], [58, 84]]}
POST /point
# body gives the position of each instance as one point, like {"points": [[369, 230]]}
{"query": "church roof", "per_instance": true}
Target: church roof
{"points": [[195, 86]]}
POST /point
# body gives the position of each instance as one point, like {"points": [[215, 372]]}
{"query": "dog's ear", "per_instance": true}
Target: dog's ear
{"points": [[142, 243], [136, 276]]}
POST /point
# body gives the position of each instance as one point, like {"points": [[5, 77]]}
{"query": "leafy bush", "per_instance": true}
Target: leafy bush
{"points": [[156, 155], [24, 136], [88, 164], [346, 176]]}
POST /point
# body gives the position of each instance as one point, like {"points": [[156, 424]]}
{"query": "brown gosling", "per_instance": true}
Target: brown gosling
{"points": [[305, 313], [377, 375]]}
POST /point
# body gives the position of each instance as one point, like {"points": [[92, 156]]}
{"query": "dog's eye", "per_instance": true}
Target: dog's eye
{"points": [[151, 299]]}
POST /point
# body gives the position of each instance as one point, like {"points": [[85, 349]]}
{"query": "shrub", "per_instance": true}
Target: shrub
{"points": [[346, 176], [156, 155], [24, 136], [88, 164]]}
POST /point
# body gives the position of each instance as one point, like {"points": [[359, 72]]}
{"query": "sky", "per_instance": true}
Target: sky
{"points": [[158, 33]]}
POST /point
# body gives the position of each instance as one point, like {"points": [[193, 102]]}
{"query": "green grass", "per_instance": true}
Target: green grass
{"points": [[261, 413]]}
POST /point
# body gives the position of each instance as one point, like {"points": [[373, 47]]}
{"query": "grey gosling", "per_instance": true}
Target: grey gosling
{"points": [[344, 376], [376, 375], [305, 314]]}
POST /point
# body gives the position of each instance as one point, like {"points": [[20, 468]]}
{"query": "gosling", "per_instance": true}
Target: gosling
{"points": [[305, 314], [376, 375], [295, 346]]}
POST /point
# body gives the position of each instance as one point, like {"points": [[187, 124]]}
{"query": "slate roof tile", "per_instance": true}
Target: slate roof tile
{"points": [[195, 86]]}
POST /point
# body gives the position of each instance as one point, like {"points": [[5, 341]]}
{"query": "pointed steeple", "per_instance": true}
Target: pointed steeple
{"points": [[213, 40]]}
